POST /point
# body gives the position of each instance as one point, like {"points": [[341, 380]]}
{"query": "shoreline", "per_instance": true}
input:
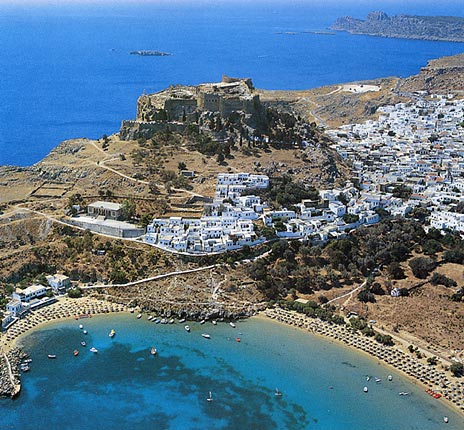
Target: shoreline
{"points": [[427, 377]]}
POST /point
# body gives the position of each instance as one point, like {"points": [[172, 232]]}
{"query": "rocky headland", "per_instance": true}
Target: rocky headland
{"points": [[444, 28]]}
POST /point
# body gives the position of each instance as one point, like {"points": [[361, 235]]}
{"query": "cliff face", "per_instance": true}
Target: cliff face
{"points": [[444, 28], [443, 75]]}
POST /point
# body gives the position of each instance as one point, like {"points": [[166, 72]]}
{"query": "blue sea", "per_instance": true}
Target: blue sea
{"points": [[124, 387], [66, 71]]}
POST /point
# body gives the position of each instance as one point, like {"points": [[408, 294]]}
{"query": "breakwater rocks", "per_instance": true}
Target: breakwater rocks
{"points": [[430, 376], [10, 380]]}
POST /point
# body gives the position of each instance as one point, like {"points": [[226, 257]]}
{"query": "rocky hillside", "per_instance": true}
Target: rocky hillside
{"points": [[442, 75], [445, 28]]}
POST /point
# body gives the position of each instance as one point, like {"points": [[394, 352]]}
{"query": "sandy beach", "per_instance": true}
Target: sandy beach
{"points": [[431, 378], [64, 308]]}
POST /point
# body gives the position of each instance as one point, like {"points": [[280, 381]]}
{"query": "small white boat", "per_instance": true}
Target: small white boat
{"points": [[131, 310], [206, 335], [187, 328], [232, 324], [365, 389], [112, 333], [139, 316], [182, 320], [150, 318], [153, 351], [403, 393], [446, 419], [210, 397], [171, 321], [368, 378], [93, 349], [277, 392], [202, 321], [83, 343], [81, 326], [25, 367], [377, 380], [214, 322], [164, 321], [85, 332], [28, 360], [390, 378], [51, 356], [157, 321]]}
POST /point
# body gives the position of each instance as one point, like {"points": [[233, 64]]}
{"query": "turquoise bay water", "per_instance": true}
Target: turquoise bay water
{"points": [[66, 69], [124, 387]]}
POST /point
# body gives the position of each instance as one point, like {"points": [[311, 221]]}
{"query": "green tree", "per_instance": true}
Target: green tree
{"points": [[457, 369], [128, 209]]}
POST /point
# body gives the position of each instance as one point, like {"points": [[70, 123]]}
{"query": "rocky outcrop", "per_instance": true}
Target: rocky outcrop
{"points": [[441, 76], [445, 28], [10, 381]]}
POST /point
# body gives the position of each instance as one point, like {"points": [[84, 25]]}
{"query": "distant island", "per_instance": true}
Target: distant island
{"points": [[146, 53], [443, 28]]}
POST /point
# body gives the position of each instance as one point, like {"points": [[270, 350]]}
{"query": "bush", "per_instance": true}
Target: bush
{"points": [[74, 293], [384, 339], [366, 296], [457, 369], [422, 266], [454, 256], [440, 279]]}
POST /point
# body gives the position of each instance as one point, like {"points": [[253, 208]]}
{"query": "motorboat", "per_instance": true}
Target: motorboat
{"points": [[232, 324], [277, 393], [237, 339], [368, 378], [28, 360], [164, 321], [202, 321], [75, 353], [139, 316], [365, 389], [150, 318], [171, 321], [25, 367], [112, 333], [81, 326], [214, 322], [182, 320], [83, 343], [153, 351], [390, 378], [206, 335], [187, 328], [51, 356], [85, 332], [210, 397], [403, 393], [446, 419], [157, 321], [93, 349], [377, 380]]}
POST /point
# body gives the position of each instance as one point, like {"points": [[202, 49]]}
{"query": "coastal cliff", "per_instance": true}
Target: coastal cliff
{"points": [[444, 28]]}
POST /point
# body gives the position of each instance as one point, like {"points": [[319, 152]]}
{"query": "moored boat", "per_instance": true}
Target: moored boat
{"points": [[139, 316], [232, 324], [112, 333], [150, 318], [182, 320], [24, 367], [206, 335], [446, 419], [214, 322], [153, 351], [85, 332], [93, 349], [51, 355], [83, 343], [187, 328], [202, 321], [75, 353], [81, 326], [365, 389], [171, 321]]}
